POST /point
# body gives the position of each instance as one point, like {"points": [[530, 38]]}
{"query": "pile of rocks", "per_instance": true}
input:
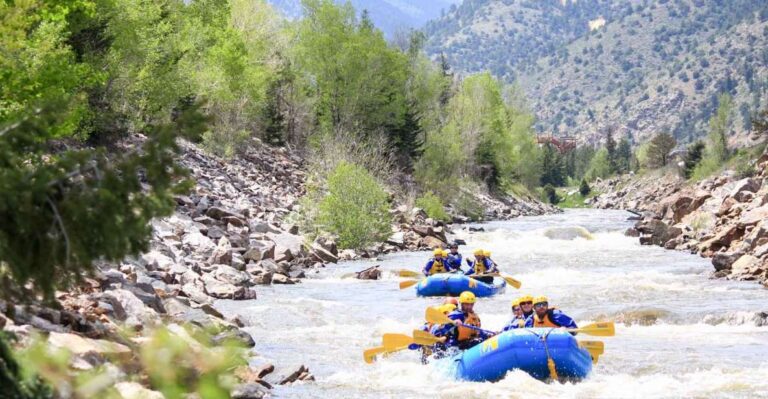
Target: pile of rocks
{"points": [[723, 218]]}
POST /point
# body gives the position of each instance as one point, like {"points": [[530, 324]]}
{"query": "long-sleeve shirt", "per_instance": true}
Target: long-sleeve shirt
{"points": [[454, 261], [517, 322]]}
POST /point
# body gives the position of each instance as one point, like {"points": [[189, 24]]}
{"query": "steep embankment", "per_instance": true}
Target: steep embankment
{"points": [[227, 237], [724, 217]]}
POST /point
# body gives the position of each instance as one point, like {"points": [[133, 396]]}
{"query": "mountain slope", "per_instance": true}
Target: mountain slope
{"points": [[638, 68], [388, 15]]}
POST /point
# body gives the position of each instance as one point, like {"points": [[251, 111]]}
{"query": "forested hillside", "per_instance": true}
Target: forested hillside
{"points": [[637, 68], [393, 17]]}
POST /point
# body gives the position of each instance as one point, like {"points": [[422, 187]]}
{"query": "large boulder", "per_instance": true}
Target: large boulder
{"points": [[748, 184], [724, 260], [86, 347], [321, 254], [431, 242], [230, 275], [222, 254], [219, 213], [747, 267], [222, 290], [137, 313], [753, 216], [197, 242], [259, 250], [134, 390], [287, 246]]}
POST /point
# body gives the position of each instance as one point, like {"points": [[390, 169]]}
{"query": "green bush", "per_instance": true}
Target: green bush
{"points": [[433, 206], [551, 194], [584, 188], [356, 207]]}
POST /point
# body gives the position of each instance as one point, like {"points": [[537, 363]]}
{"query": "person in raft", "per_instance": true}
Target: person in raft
{"points": [[544, 316], [456, 334], [518, 321], [481, 265], [454, 259], [526, 306], [448, 306], [436, 264]]}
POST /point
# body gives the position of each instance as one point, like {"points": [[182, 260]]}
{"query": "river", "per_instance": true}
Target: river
{"points": [[678, 333]]}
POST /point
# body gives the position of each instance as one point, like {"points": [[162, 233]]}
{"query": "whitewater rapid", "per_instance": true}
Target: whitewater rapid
{"points": [[679, 334]]}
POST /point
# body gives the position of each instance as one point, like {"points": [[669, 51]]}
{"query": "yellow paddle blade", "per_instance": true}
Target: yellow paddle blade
{"points": [[392, 341], [407, 273], [601, 329], [369, 355], [594, 347], [424, 338], [408, 283], [433, 315], [512, 282]]}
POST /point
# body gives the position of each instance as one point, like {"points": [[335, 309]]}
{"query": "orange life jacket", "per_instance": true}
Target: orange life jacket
{"points": [[471, 319], [480, 266], [438, 266], [545, 321]]}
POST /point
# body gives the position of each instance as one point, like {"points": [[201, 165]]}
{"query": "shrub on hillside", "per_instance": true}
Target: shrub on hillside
{"points": [[551, 194], [584, 188], [355, 208], [433, 206]]}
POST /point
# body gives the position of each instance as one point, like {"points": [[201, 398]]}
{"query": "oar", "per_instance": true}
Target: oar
{"points": [[436, 316], [408, 283], [407, 273], [595, 349], [391, 341], [508, 279], [369, 355], [421, 337], [600, 329]]}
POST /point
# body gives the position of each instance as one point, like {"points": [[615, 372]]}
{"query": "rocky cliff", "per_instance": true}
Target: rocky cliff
{"points": [[724, 218]]}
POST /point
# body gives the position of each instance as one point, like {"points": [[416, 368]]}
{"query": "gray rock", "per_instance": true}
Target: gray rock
{"points": [[724, 260], [321, 254], [219, 213], [137, 313], [236, 336], [222, 290], [281, 279], [259, 250], [249, 391], [195, 293], [230, 275]]}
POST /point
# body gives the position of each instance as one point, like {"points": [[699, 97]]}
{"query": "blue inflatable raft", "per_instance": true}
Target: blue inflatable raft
{"points": [[524, 349], [454, 284]]}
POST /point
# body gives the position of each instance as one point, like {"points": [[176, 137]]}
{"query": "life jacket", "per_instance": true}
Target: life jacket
{"points": [[480, 266], [438, 266], [471, 319], [546, 321]]}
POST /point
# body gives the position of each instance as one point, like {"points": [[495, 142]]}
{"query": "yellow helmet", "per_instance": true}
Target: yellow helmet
{"points": [[487, 254], [525, 298], [467, 297], [540, 299], [445, 253], [478, 252], [437, 252], [447, 308], [515, 302]]}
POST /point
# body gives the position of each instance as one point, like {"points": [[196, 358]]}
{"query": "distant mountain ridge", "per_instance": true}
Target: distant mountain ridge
{"points": [[388, 15], [636, 68]]}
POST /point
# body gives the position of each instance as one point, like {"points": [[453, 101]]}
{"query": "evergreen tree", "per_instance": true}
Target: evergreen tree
{"points": [[610, 146], [624, 155], [584, 188], [552, 171], [693, 157]]}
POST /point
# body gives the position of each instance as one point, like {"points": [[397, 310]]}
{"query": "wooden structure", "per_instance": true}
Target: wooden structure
{"points": [[563, 144]]}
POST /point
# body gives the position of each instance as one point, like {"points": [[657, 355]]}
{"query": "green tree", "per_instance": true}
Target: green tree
{"points": [[658, 151], [356, 207], [552, 171], [692, 158], [716, 150], [599, 166], [584, 188], [623, 155], [610, 147]]}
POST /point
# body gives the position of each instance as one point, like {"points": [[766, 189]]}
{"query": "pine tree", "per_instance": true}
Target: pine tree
{"points": [[693, 157], [552, 170], [584, 188], [624, 155], [610, 146]]}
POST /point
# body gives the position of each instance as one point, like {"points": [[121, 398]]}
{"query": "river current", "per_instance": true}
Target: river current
{"points": [[678, 333]]}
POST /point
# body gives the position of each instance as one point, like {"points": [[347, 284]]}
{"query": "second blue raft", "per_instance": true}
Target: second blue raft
{"points": [[524, 349], [455, 284]]}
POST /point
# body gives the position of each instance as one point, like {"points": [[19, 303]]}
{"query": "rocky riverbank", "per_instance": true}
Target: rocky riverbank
{"points": [[226, 238], [724, 218]]}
